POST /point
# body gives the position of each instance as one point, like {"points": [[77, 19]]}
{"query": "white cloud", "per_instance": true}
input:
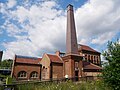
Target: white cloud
{"points": [[8, 55], [21, 13], [45, 29], [11, 3], [44, 25], [96, 18], [103, 38], [83, 41]]}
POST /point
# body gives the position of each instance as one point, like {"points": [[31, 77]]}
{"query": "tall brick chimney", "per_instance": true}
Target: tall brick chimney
{"points": [[72, 57], [71, 39]]}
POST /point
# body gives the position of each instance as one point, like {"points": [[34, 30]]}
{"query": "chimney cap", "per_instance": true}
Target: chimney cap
{"points": [[69, 5]]}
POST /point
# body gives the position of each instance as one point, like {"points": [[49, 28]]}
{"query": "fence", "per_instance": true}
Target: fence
{"points": [[14, 84]]}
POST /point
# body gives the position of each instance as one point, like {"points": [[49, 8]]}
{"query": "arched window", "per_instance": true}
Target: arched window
{"points": [[22, 74], [94, 60], [91, 59], [34, 74], [76, 65], [88, 58], [97, 59]]}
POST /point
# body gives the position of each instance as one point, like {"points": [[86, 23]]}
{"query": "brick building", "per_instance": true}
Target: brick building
{"points": [[90, 55], [26, 68], [78, 61], [52, 66]]}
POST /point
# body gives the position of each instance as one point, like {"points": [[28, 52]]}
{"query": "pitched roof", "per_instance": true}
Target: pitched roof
{"points": [[54, 58], [27, 60], [86, 48], [88, 65]]}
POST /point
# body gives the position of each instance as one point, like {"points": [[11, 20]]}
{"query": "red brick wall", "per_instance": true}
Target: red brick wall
{"points": [[69, 68], [27, 68], [57, 70]]}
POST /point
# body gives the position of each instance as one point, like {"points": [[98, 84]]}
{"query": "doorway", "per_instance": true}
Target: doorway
{"points": [[76, 75]]}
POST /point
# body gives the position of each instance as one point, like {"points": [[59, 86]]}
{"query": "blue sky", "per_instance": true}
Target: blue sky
{"points": [[35, 27]]}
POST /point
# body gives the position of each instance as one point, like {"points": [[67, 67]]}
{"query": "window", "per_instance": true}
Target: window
{"points": [[94, 61], [98, 60], [34, 75], [76, 65], [22, 74], [85, 56], [91, 59], [88, 58]]}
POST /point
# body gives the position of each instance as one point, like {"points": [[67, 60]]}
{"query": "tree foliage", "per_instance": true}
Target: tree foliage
{"points": [[6, 63], [111, 72]]}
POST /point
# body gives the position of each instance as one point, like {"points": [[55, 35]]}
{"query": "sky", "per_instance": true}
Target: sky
{"points": [[35, 27]]}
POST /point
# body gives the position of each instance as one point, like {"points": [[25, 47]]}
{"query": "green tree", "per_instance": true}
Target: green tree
{"points": [[111, 72], [6, 63]]}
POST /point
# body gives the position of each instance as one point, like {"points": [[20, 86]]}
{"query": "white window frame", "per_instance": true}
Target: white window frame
{"points": [[34, 74], [22, 74]]}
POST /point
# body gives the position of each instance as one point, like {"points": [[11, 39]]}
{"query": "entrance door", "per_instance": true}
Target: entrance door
{"points": [[76, 75]]}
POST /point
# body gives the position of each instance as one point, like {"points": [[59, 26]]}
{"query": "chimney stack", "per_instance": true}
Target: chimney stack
{"points": [[71, 39]]}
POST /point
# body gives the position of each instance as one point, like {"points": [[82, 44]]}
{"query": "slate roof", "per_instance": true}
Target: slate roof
{"points": [[88, 65], [54, 58], [27, 59], [86, 48]]}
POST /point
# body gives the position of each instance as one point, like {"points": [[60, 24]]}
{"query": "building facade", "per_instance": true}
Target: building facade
{"points": [[52, 67], [55, 66], [89, 54], [26, 68], [78, 61]]}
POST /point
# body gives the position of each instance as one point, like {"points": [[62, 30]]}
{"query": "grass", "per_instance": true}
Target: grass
{"points": [[69, 85]]}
